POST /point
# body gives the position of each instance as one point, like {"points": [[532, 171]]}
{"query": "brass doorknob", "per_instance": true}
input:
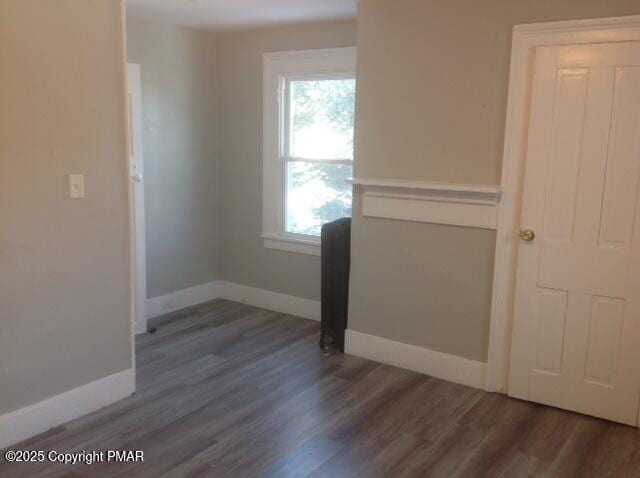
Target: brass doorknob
{"points": [[527, 235]]}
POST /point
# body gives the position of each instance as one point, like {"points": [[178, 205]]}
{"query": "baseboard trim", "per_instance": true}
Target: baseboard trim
{"points": [[34, 419], [276, 301], [437, 364], [182, 299], [266, 299]]}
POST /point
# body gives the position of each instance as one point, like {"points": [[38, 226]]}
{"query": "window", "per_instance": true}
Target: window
{"points": [[309, 109]]}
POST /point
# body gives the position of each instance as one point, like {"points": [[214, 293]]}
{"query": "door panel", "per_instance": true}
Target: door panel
{"points": [[604, 339], [593, 159], [569, 106], [576, 335], [621, 183], [552, 311]]}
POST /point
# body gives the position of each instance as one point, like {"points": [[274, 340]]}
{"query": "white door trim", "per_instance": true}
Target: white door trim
{"points": [[136, 172], [525, 39]]}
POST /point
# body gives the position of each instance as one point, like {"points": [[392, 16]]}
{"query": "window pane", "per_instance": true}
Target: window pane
{"points": [[316, 194], [322, 117]]}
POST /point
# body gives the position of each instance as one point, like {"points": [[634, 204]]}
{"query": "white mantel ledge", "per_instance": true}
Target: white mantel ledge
{"points": [[467, 205]]}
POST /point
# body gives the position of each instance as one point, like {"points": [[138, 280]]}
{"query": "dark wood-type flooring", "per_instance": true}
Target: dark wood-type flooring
{"points": [[228, 390]]}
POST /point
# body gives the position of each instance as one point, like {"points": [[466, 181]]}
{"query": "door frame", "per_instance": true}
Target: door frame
{"points": [[139, 291], [524, 41]]}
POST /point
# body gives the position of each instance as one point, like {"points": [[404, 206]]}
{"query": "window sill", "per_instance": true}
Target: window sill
{"points": [[292, 244]]}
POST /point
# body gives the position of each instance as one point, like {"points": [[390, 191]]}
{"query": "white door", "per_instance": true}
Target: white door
{"points": [[137, 169], [576, 336]]}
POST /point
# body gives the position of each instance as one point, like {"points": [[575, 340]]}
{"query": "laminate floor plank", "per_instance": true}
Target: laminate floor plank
{"points": [[229, 390]]}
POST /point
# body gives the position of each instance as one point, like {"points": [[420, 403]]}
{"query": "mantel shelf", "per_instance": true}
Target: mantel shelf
{"points": [[469, 205], [450, 189]]}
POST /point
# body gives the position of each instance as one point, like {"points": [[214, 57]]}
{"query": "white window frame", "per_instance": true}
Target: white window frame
{"points": [[278, 68]]}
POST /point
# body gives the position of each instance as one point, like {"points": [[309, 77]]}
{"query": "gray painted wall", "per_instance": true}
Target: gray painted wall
{"points": [[180, 129], [244, 258], [432, 93], [64, 264]]}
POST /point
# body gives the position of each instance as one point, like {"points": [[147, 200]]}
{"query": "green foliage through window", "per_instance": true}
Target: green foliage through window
{"points": [[321, 128]]}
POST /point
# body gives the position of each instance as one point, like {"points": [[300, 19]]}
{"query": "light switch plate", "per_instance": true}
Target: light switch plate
{"points": [[76, 186]]}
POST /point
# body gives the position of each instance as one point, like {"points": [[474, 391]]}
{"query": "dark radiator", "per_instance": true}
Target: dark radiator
{"points": [[336, 261]]}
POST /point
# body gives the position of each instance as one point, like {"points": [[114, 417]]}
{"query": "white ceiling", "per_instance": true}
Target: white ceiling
{"points": [[233, 14]]}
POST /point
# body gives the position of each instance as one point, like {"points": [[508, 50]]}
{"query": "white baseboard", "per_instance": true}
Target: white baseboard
{"points": [[42, 416], [181, 299], [287, 304], [437, 364]]}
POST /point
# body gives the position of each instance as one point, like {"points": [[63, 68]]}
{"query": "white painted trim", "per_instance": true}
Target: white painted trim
{"points": [[277, 68], [122, 38], [437, 364], [289, 244], [525, 39], [287, 304], [434, 211], [471, 191], [42, 416], [306, 61], [437, 203], [266, 299], [182, 299], [136, 171]]}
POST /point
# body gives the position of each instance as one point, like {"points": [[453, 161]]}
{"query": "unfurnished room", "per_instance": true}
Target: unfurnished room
{"points": [[319, 238]]}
